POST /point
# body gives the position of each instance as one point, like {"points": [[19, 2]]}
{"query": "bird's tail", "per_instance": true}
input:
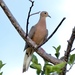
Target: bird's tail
{"points": [[27, 58]]}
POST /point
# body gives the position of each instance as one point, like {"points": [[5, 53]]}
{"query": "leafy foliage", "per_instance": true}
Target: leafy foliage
{"points": [[71, 59], [34, 59], [57, 49], [36, 65], [47, 68], [1, 65], [1, 73], [54, 68]]}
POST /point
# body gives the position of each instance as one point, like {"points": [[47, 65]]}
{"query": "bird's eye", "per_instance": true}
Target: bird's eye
{"points": [[45, 13]]}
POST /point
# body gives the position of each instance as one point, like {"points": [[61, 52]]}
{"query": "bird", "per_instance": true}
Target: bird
{"points": [[38, 33]]}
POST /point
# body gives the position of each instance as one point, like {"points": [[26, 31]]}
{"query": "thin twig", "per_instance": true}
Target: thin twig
{"points": [[14, 22], [35, 13], [29, 17], [70, 68], [53, 32], [73, 49], [30, 0]]}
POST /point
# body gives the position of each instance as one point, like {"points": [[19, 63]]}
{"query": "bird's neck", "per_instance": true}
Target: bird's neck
{"points": [[42, 21]]}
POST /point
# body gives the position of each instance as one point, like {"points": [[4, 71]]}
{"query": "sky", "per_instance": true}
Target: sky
{"points": [[11, 43]]}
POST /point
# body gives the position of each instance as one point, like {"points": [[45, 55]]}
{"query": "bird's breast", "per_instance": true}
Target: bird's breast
{"points": [[39, 35]]}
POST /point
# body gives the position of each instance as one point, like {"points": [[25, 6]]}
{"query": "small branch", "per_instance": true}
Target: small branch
{"points": [[29, 17], [70, 43], [73, 49], [68, 50], [53, 32], [14, 22], [35, 13], [30, 0], [70, 67]]}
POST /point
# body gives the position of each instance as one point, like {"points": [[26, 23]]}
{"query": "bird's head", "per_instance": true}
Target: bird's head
{"points": [[44, 14]]}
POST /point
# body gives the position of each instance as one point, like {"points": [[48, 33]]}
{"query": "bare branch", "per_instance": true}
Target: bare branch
{"points": [[29, 17], [30, 0], [70, 68], [53, 32], [14, 22], [70, 43], [68, 50], [73, 49], [35, 13]]}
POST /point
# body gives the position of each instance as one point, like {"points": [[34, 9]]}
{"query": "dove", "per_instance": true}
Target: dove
{"points": [[38, 33]]}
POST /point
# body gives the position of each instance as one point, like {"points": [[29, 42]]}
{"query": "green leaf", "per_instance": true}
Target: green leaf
{"points": [[34, 59], [54, 47], [1, 64], [57, 55], [71, 59], [57, 49], [45, 70], [38, 72], [37, 67], [45, 61], [56, 68], [1, 73]]}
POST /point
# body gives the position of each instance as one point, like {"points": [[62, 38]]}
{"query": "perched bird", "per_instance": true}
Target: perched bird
{"points": [[38, 33]]}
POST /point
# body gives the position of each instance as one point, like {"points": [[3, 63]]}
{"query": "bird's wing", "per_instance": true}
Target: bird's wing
{"points": [[46, 35], [31, 34]]}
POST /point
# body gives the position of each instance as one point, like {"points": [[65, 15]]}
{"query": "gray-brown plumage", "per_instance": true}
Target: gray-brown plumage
{"points": [[38, 34]]}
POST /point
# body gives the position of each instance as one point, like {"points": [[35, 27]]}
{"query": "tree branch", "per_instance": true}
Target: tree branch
{"points": [[70, 67], [35, 13], [70, 43], [14, 22], [29, 17], [73, 49], [68, 50]]}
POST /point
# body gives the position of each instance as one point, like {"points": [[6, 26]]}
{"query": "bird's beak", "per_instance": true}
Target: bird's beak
{"points": [[49, 16]]}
